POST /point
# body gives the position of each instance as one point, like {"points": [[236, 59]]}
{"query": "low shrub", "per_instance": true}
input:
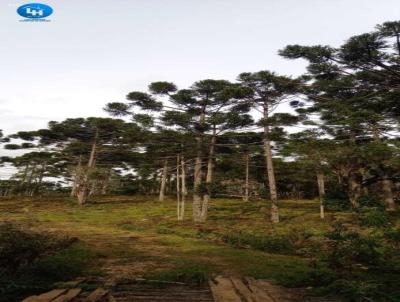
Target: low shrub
{"points": [[63, 265], [367, 265], [272, 243], [336, 201], [30, 262], [370, 201], [348, 249], [19, 248], [373, 217]]}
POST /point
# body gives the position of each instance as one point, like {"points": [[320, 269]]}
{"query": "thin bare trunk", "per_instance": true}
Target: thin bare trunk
{"points": [[163, 181], [77, 173], [364, 177], [321, 191], [270, 171], [83, 187], [354, 190], [387, 187], [209, 176], [183, 188], [178, 188], [246, 184], [198, 173]]}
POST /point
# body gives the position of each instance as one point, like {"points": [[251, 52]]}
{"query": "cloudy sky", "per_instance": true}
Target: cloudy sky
{"points": [[94, 52]]}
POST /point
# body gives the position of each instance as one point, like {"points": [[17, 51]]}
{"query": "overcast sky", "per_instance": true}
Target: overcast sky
{"points": [[94, 52]]}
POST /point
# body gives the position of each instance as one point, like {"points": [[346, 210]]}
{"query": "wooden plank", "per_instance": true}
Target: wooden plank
{"points": [[46, 297], [260, 294], [71, 294], [96, 295], [243, 290], [223, 290]]}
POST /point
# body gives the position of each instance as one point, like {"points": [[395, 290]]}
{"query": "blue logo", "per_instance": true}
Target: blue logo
{"points": [[34, 10]]}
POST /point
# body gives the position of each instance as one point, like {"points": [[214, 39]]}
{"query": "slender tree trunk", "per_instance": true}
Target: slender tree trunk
{"points": [[183, 188], [168, 186], [83, 187], [30, 180], [198, 173], [387, 184], [163, 181], [354, 190], [387, 188], [209, 176], [364, 177], [246, 184], [178, 187], [270, 171], [321, 191], [77, 173]]}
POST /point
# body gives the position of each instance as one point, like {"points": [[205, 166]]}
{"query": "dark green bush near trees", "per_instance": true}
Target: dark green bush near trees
{"points": [[31, 262], [364, 266], [272, 243], [336, 200]]}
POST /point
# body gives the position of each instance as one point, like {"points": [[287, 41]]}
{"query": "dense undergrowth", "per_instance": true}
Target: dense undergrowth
{"points": [[351, 254], [30, 262]]}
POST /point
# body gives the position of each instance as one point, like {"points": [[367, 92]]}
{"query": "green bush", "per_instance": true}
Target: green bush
{"points": [[355, 290], [370, 201], [367, 265], [19, 248], [336, 201], [272, 243], [63, 265], [30, 262], [373, 217], [348, 249]]}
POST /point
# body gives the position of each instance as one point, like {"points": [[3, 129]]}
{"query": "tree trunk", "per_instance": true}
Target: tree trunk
{"points": [[76, 177], [246, 184], [198, 173], [183, 188], [209, 177], [321, 191], [354, 190], [178, 187], [270, 171], [364, 176], [163, 181], [83, 187], [387, 188], [168, 185]]}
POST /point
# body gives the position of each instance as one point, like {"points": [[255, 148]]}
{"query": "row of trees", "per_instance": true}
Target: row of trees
{"points": [[217, 135]]}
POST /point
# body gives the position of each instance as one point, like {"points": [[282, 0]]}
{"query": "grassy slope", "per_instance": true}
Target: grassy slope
{"points": [[135, 236]]}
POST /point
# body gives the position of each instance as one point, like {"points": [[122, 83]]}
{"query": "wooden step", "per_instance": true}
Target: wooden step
{"points": [[96, 295], [46, 297], [68, 296]]}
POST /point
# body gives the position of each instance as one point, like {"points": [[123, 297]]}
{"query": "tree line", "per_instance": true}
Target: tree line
{"points": [[333, 130]]}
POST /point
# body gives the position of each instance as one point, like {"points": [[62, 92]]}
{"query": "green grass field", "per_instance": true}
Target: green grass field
{"points": [[138, 237]]}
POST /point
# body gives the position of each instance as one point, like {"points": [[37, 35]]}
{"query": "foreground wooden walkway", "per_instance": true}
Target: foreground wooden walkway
{"points": [[250, 290], [221, 289], [233, 289], [73, 294]]}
